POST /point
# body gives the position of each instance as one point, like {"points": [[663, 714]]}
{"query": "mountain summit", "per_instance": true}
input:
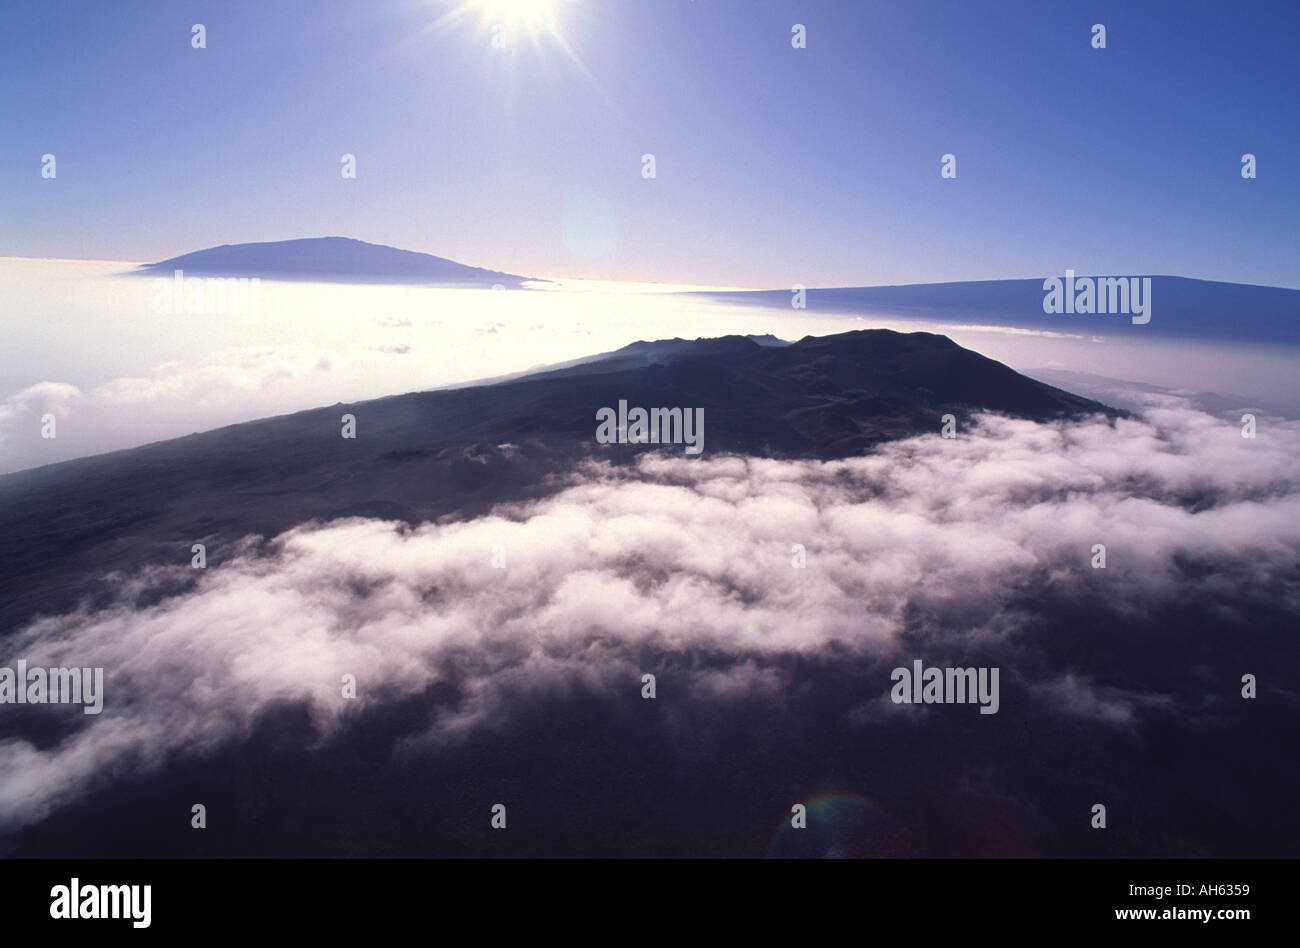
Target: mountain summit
{"points": [[459, 452], [330, 259]]}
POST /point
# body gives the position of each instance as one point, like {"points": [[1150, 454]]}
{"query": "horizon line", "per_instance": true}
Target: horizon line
{"points": [[696, 288]]}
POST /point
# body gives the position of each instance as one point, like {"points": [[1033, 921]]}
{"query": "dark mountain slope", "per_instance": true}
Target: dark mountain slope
{"points": [[427, 455]]}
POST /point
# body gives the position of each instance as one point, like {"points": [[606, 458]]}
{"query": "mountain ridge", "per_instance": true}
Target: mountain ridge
{"points": [[1180, 307], [330, 259], [427, 456]]}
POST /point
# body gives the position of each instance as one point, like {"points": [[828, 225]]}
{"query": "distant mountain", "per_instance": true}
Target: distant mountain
{"points": [[421, 456], [1181, 307], [329, 259]]}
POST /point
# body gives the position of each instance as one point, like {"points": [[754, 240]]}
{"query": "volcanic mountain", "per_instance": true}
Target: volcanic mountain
{"points": [[329, 259], [1179, 308], [457, 452]]}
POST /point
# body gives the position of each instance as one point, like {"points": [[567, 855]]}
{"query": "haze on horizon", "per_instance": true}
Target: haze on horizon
{"points": [[85, 343]]}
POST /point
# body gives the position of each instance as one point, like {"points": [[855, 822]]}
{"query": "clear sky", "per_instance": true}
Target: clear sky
{"points": [[774, 165]]}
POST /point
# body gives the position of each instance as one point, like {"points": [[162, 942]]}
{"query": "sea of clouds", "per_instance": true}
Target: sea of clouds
{"points": [[84, 344], [925, 548]]}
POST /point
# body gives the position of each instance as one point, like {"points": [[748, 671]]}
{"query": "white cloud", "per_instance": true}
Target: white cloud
{"points": [[678, 556]]}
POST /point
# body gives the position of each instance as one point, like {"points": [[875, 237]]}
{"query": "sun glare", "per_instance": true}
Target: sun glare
{"points": [[530, 14], [530, 32]]}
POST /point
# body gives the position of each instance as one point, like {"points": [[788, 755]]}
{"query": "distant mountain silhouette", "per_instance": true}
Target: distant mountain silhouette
{"points": [[1181, 307], [330, 259], [426, 455]]}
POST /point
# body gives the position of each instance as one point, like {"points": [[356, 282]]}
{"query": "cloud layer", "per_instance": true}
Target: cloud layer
{"points": [[948, 550]]}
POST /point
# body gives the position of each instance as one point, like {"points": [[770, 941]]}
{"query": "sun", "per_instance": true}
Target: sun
{"points": [[536, 19], [531, 15], [538, 26]]}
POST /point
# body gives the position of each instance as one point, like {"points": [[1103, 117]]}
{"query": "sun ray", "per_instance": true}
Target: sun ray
{"points": [[530, 16], [534, 25]]}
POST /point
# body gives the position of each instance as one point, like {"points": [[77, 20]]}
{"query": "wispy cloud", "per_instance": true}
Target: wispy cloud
{"points": [[930, 542]]}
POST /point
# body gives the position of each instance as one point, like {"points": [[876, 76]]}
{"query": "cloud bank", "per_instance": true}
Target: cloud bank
{"points": [[951, 550]]}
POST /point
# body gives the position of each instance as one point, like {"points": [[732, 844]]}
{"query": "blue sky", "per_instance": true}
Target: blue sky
{"points": [[775, 166]]}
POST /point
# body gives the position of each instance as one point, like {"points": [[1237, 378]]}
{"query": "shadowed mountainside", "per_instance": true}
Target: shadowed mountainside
{"points": [[427, 455], [700, 772]]}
